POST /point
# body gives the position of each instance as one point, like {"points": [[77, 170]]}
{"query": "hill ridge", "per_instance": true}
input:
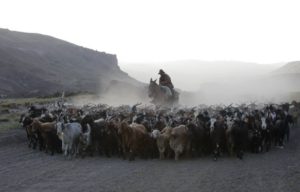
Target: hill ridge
{"points": [[35, 64]]}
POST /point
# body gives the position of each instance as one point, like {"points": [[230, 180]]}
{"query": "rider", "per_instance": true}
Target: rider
{"points": [[165, 80]]}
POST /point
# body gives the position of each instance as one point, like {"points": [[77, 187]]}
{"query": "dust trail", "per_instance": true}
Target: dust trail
{"points": [[207, 83]]}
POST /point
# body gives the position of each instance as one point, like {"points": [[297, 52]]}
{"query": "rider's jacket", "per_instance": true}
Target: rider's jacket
{"points": [[165, 80]]}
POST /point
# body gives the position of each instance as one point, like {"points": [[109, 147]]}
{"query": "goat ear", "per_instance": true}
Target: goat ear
{"points": [[151, 80], [155, 80]]}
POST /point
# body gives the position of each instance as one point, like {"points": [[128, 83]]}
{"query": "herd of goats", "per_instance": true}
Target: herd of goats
{"points": [[151, 132]]}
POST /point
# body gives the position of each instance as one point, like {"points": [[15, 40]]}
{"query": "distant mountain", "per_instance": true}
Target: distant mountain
{"points": [[191, 75], [289, 68], [218, 82], [288, 76], [37, 65], [279, 85]]}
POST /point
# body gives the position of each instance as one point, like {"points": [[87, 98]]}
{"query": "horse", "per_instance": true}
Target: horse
{"points": [[162, 95]]}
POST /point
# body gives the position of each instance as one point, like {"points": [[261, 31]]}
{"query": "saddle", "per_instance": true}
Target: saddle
{"points": [[170, 92]]}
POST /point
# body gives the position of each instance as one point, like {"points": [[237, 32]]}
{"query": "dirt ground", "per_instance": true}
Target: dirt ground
{"points": [[24, 169]]}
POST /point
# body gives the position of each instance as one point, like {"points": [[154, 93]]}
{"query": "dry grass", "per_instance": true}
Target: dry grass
{"points": [[9, 125], [11, 110], [13, 103], [9, 121]]}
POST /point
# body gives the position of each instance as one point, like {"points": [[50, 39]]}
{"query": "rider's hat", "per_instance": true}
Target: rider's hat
{"points": [[161, 71]]}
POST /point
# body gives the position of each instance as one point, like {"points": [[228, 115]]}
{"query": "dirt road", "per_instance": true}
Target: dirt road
{"points": [[24, 169]]}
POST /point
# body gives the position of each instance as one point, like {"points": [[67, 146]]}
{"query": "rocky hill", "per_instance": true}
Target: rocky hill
{"points": [[39, 65]]}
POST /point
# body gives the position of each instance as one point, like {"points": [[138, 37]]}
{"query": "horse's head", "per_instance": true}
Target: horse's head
{"points": [[152, 89]]}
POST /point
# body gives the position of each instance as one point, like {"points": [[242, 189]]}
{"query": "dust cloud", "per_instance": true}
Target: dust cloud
{"points": [[208, 83], [115, 94]]}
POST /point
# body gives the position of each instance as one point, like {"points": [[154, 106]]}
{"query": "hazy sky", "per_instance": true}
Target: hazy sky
{"points": [[263, 31]]}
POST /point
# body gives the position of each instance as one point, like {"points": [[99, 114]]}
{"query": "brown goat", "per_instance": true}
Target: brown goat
{"points": [[162, 141], [132, 137], [47, 136], [179, 141]]}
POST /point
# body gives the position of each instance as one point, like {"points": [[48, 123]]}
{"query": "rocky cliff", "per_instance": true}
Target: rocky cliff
{"points": [[38, 65]]}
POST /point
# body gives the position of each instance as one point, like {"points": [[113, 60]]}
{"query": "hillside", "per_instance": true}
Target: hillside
{"points": [[289, 68], [38, 65]]}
